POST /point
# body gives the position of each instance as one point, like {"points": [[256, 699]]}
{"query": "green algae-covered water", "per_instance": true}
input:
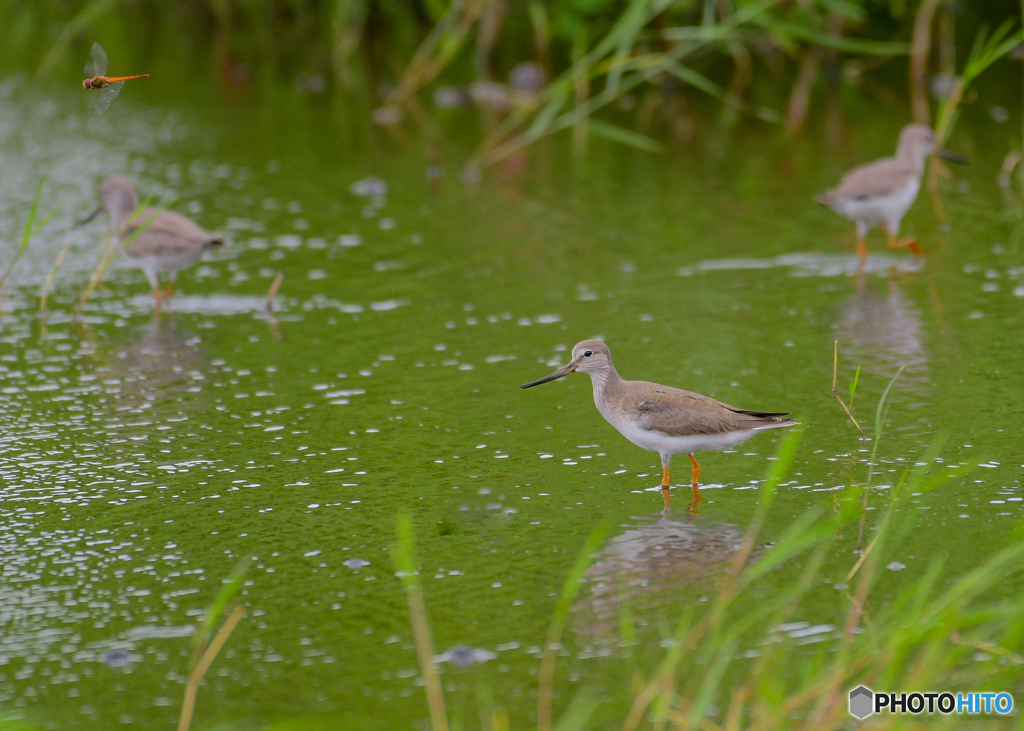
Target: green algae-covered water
{"points": [[142, 457]]}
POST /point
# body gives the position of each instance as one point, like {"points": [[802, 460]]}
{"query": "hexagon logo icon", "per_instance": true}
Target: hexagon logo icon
{"points": [[861, 702]]}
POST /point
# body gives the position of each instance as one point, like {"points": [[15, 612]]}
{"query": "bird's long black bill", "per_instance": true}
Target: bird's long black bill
{"points": [[95, 212], [563, 371], [954, 157]]}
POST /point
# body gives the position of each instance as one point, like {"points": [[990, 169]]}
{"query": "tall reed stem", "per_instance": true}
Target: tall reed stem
{"points": [[551, 644], [199, 671], [404, 556]]}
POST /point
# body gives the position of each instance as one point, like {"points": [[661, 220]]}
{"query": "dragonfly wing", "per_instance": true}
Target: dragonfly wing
{"points": [[99, 60], [107, 95]]}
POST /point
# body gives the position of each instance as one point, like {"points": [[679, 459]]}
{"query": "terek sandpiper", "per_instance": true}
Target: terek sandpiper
{"points": [[663, 419], [883, 191], [157, 240]]}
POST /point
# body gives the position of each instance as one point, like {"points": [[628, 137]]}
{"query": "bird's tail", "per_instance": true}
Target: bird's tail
{"points": [[763, 419]]}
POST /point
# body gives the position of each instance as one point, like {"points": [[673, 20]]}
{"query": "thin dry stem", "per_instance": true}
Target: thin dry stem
{"points": [[196, 676], [275, 285], [919, 48], [569, 590], [7, 271], [1010, 163], [44, 296], [795, 702], [425, 655], [874, 540], [835, 391], [108, 257], [936, 168], [741, 696], [545, 679], [800, 96], [830, 696], [435, 51], [709, 620]]}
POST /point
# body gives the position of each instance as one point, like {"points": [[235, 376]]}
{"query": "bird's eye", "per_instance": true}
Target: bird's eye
{"points": [[588, 353]]}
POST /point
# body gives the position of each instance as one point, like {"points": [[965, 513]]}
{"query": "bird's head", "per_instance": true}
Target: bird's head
{"points": [[588, 356]]}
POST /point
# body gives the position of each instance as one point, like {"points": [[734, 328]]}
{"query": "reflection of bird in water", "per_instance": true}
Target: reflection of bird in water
{"points": [[646, 567], [162, 363], [881, 333]]}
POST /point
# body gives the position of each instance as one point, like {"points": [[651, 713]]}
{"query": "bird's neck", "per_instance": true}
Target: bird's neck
{"points": [[604, 381], [910, 157], [121, 213]]}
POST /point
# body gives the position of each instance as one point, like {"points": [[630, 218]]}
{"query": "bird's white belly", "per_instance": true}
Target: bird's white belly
{"points": [[665, 444], [889, 208]]}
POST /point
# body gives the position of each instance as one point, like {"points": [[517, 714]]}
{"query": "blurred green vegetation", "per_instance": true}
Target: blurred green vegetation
{"points": [[638, 61], [348, 38]]}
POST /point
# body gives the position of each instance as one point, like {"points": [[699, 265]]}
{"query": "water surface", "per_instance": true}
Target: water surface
{"points": [[142, 457]]}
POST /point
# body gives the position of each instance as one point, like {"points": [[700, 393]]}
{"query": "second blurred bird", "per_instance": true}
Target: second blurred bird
{"points": [[883, 191], [157, 241]]}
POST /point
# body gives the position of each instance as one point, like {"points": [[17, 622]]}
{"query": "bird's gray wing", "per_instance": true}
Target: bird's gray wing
{"points": [[679, 413], [876, 179], [165, 233]]}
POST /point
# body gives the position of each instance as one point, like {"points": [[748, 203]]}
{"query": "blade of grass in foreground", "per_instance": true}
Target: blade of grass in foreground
{"points": [[30, 230], [44, 295], [206, 649], [880, 413], [569, 590], [404, 556], [853, 388], [776, 471]]}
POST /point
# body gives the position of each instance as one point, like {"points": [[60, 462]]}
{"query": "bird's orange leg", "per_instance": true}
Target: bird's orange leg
{"points": [[862, 249], [158, 296], [170, 289], [697, 499], [907, 243], [665, 484]]}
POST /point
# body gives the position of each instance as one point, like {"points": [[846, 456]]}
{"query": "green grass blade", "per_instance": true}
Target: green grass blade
{"points": [[699, 81], [577, 716], [839, 43], [403, 554], [30, 224], [570, 588], [227, 593], [625, 136], [710, 684]]}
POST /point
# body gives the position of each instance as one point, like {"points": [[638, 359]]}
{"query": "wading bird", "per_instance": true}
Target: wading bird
{"points": [[663, 419], [156, 241], [883, 191]]}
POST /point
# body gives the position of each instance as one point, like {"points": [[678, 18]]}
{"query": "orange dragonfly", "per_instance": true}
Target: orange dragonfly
{"points": [[110, 86]]}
